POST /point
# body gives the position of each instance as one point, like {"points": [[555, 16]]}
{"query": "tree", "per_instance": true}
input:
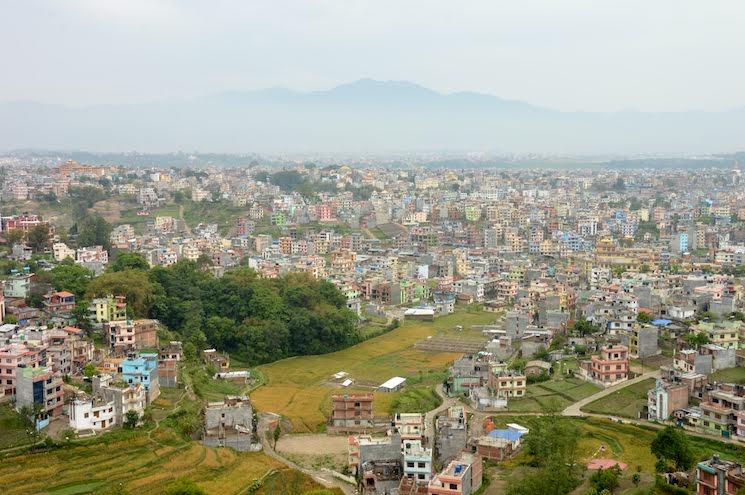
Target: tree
{"points": [[276, 434], [30, 415], [126, 260], [184, 487], [71, 277], [133, 284], [643, 317], [672, 444], [94, 231], [636, 479], [14, 236], [542, 353], [696, 339], [38, 237], [605, 479], [131, 419], [584, 327], [89, 370]]}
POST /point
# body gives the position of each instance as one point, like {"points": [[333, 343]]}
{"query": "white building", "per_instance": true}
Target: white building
{"points": [[417, 460], [62, 252], [91, 414]]}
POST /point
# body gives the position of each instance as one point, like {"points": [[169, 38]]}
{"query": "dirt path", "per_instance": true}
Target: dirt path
{"points": [[322, 477]]}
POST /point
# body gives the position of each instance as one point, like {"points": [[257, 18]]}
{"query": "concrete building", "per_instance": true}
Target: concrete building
{"points": [[126, 336], [643, 341], [665, 398], [124, 396], [142, 369], [91, 413], [417, 460], [719, 477], [40, 387], [463, 476], [109, 308], [410, 426], [229, 424], [352, 411], [451, 434], [609, 368]]}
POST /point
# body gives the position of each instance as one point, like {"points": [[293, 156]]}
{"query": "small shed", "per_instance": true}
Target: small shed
{"points": [[393, 385]]}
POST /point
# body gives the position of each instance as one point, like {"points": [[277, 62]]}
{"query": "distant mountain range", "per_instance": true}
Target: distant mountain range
{"points": [[365, 116]]}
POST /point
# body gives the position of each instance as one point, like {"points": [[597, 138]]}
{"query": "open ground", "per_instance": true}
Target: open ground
{"points": [[299, 388]]}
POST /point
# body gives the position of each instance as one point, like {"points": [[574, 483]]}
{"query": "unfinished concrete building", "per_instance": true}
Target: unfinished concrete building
{"points": [[230, 424]]}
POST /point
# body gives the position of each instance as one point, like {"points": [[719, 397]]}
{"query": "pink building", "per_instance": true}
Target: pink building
{"points": [[609, 368], [11, 356]]}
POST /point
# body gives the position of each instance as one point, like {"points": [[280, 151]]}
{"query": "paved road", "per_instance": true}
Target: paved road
{"points": [[575, 409]]}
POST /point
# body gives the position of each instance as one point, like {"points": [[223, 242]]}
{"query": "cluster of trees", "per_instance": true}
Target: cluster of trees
{"points": [[553, 450], [258, 320]]}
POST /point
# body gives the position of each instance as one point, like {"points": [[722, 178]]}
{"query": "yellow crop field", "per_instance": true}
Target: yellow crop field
{"points": [[299, 387], [130, 461]]}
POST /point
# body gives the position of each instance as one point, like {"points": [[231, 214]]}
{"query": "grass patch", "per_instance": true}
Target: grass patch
{"points": [[416, 400], [556, 393], [626, 402], [729, 375], [12, 432], [624, 442], [299, 387]]}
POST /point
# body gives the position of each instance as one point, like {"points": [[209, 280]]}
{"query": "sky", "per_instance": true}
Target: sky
{"points": [[573, 55]]}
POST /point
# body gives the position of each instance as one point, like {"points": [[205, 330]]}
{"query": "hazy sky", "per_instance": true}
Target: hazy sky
{"points": [[566, 54]]}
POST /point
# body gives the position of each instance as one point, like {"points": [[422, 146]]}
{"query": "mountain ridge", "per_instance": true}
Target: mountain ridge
{"points": [[363, 115]]}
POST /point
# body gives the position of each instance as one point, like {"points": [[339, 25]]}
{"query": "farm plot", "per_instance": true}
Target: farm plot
{"points": [[299, 389]]}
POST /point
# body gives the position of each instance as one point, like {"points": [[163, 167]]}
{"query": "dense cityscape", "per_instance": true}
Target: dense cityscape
{"points": [[465, 306]]}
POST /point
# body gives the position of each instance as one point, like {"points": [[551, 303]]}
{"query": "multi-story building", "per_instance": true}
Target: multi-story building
{"points": [[124, 396], [142, 369], [719, 408], [62, 252], [417, 460], [91, 413], [609, 368], [59, 303], [508, 384], [109, 308], [12, 358], [665, 398], [719, 477], [463, 476], [40, 387], [352, 411], [410, 426], [130, 335]]}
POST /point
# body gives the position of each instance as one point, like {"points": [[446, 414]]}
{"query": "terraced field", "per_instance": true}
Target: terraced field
{"points": [[134, 462], [299, 388]]}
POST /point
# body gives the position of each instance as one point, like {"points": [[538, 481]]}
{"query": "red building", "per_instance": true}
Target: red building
{"points": [[352, 410]]}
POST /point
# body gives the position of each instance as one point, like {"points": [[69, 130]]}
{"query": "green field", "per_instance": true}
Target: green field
{"points": [[626, 402], [299, 388], [729, 375], [12, 432], [624, 442], [554, 394]]}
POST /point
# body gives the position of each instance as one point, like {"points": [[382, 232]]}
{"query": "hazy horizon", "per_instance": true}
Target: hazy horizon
{"points": [[575, 55]]}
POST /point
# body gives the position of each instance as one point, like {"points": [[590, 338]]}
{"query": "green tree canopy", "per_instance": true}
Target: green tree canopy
{"points": [[672, 444], [128, 260], [135, 285], [71, 277]]}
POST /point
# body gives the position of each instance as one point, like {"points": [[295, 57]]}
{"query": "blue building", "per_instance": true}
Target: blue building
{"points": [[143, 369]]}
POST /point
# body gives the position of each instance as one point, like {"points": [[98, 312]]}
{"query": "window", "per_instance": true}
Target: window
{"points": [[420, 476], [421, 465], [453, 486], [410, 464]]}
